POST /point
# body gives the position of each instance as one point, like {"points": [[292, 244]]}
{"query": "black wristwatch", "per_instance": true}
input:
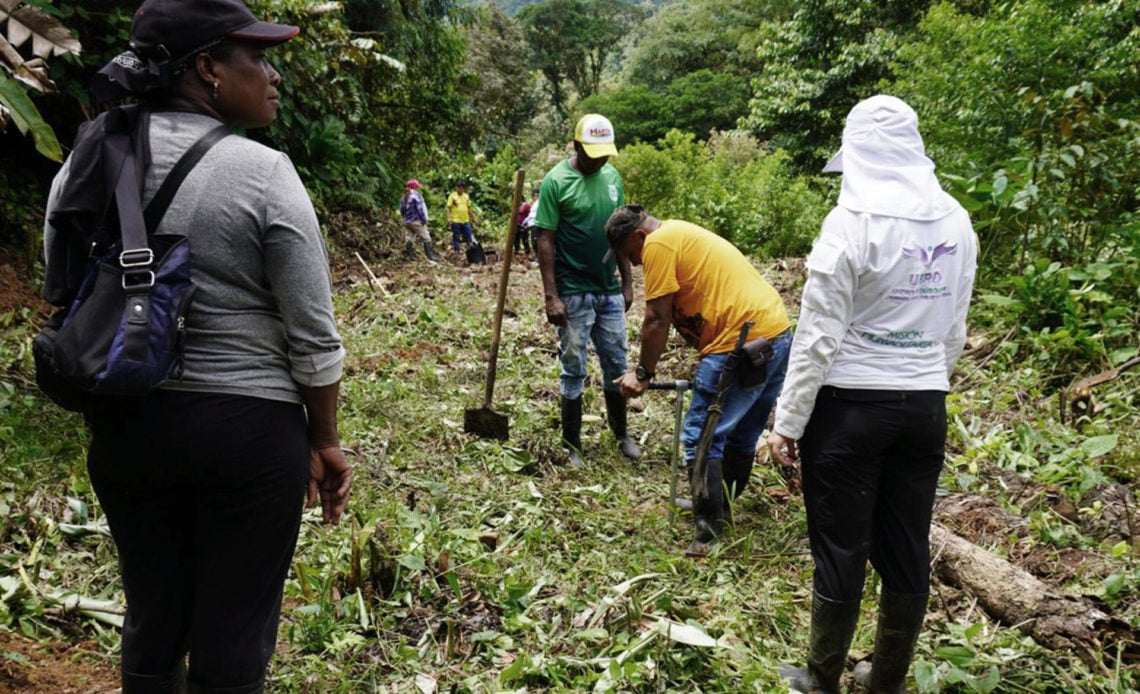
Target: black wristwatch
{"points": [[643, 374]]}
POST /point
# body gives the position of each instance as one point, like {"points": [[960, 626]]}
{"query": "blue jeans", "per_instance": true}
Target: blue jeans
{"points": [[596, 317], [464, 231], [745, 411]]}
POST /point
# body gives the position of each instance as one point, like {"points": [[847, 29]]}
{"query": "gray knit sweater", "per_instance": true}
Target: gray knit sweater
{"points": [[262, 318]]}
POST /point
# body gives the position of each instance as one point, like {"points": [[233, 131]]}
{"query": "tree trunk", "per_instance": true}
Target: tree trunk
{"points": [[1053, 617]]}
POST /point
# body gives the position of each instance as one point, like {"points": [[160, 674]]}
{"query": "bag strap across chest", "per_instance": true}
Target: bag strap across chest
{"points": [[134, 223]]}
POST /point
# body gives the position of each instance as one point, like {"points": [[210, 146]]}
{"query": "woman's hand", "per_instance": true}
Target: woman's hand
{"points": [[783, 449], [330, 478]]}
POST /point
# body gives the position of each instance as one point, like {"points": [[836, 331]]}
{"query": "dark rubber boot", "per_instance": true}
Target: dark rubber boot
{"points": [[832, 628], [708, 512], [409, 250], [616, 416], [572, 429], [173, 683], [900, 621], [429, 250], [252, 688], [737, 471]]}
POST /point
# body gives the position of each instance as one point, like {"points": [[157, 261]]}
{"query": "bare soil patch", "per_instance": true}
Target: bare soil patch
{"points": [[31, 667], [16, 290]]}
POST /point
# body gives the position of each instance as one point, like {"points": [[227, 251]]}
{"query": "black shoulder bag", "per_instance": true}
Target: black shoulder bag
{"points": [[122, 335]]}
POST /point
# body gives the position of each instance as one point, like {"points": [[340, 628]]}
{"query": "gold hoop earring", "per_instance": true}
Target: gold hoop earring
{"points": [[215, 94]]}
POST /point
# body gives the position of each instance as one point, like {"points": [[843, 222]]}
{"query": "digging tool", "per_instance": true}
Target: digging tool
{"points": [[484, 421], [679, 412], [699, 484]]}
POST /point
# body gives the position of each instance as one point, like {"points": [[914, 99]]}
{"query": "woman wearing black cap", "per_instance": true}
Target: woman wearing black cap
{"points": [[204, 480]]}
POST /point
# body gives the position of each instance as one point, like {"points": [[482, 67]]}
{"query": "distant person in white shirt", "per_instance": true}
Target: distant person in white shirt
{"points": [[882, 322], [528, 226]]}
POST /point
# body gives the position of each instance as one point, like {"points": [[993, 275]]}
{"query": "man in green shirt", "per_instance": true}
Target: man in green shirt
{"points": [[583, 297]]}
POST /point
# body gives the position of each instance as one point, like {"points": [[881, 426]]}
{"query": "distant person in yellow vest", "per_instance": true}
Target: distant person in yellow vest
{"points": [[460, 216], [707, 289]]}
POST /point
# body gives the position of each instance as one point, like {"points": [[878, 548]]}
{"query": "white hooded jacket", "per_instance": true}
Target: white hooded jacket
{"points": [[890, 276]]}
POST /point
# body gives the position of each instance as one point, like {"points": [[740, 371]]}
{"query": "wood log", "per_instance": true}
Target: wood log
{"points": [[1054, 618]]}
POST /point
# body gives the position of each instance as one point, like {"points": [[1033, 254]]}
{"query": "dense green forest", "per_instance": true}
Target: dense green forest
{"points": [[725, 111]]}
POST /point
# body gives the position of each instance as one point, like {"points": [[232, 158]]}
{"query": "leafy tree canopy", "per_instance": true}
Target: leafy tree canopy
{"points": [[1036, 109], [571, 42], [500, 91], [697, 103], [818, 64], [682, 37]]}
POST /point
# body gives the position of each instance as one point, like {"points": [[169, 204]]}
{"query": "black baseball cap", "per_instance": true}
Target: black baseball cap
{"points": [[622, 223], [174, 29]]}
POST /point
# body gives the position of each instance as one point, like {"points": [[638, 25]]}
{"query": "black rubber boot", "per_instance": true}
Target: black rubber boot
{"points": [[708, 512], [572, 429], [429, 250], [409, 250], [173, 683], [900, 621], [832, 628], [252, 688], [616, 416], [737, 470]]}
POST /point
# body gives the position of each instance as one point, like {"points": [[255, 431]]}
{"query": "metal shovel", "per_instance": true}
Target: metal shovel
{"points": [[484, 421]]}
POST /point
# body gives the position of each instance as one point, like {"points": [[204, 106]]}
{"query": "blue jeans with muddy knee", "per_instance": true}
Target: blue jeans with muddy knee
{"points": [[597, 319], [746, 410]]}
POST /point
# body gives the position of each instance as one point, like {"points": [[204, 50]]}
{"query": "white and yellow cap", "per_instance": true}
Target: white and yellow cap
{"points": [[596, 134]]}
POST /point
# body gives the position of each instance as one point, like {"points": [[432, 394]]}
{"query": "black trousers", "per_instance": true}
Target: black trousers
{"points": [[870, 464], [203, 494], [522, 239]]}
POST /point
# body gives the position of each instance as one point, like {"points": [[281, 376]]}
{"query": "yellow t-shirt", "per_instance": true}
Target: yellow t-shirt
{"points": [[458, 207], [715, 288]]}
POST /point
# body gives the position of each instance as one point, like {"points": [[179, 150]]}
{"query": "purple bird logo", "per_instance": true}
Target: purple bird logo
{"points": [[927, 258]]}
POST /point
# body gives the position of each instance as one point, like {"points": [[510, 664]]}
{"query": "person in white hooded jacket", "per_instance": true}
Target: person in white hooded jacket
{"points": [[882, 323]]}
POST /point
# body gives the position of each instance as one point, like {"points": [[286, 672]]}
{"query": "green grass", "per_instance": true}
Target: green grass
{"points": [[470, 565]]}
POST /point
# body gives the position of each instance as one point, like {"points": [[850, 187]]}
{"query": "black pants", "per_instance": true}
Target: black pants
{"points": [[871, 460], [203, 493], [522, 239]]}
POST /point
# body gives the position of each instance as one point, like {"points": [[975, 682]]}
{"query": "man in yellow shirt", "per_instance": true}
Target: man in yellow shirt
{"points": [[460, 216], [707, 289]]}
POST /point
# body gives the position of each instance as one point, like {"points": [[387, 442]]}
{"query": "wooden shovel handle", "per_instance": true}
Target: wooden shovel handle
{"points": [[520, 176]]}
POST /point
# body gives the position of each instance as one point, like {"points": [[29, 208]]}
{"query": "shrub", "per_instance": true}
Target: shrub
{"points": [[728, 185]]}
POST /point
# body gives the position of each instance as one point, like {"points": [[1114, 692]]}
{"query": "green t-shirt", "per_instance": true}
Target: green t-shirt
{"points": [[576, 208]]}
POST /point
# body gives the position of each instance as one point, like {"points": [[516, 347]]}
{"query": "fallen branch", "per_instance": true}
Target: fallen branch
{"points": [[106, 611], [1054, 618]]}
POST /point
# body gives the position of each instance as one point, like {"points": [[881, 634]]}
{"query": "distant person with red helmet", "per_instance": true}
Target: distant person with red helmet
{"points": [[415, 214]]}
